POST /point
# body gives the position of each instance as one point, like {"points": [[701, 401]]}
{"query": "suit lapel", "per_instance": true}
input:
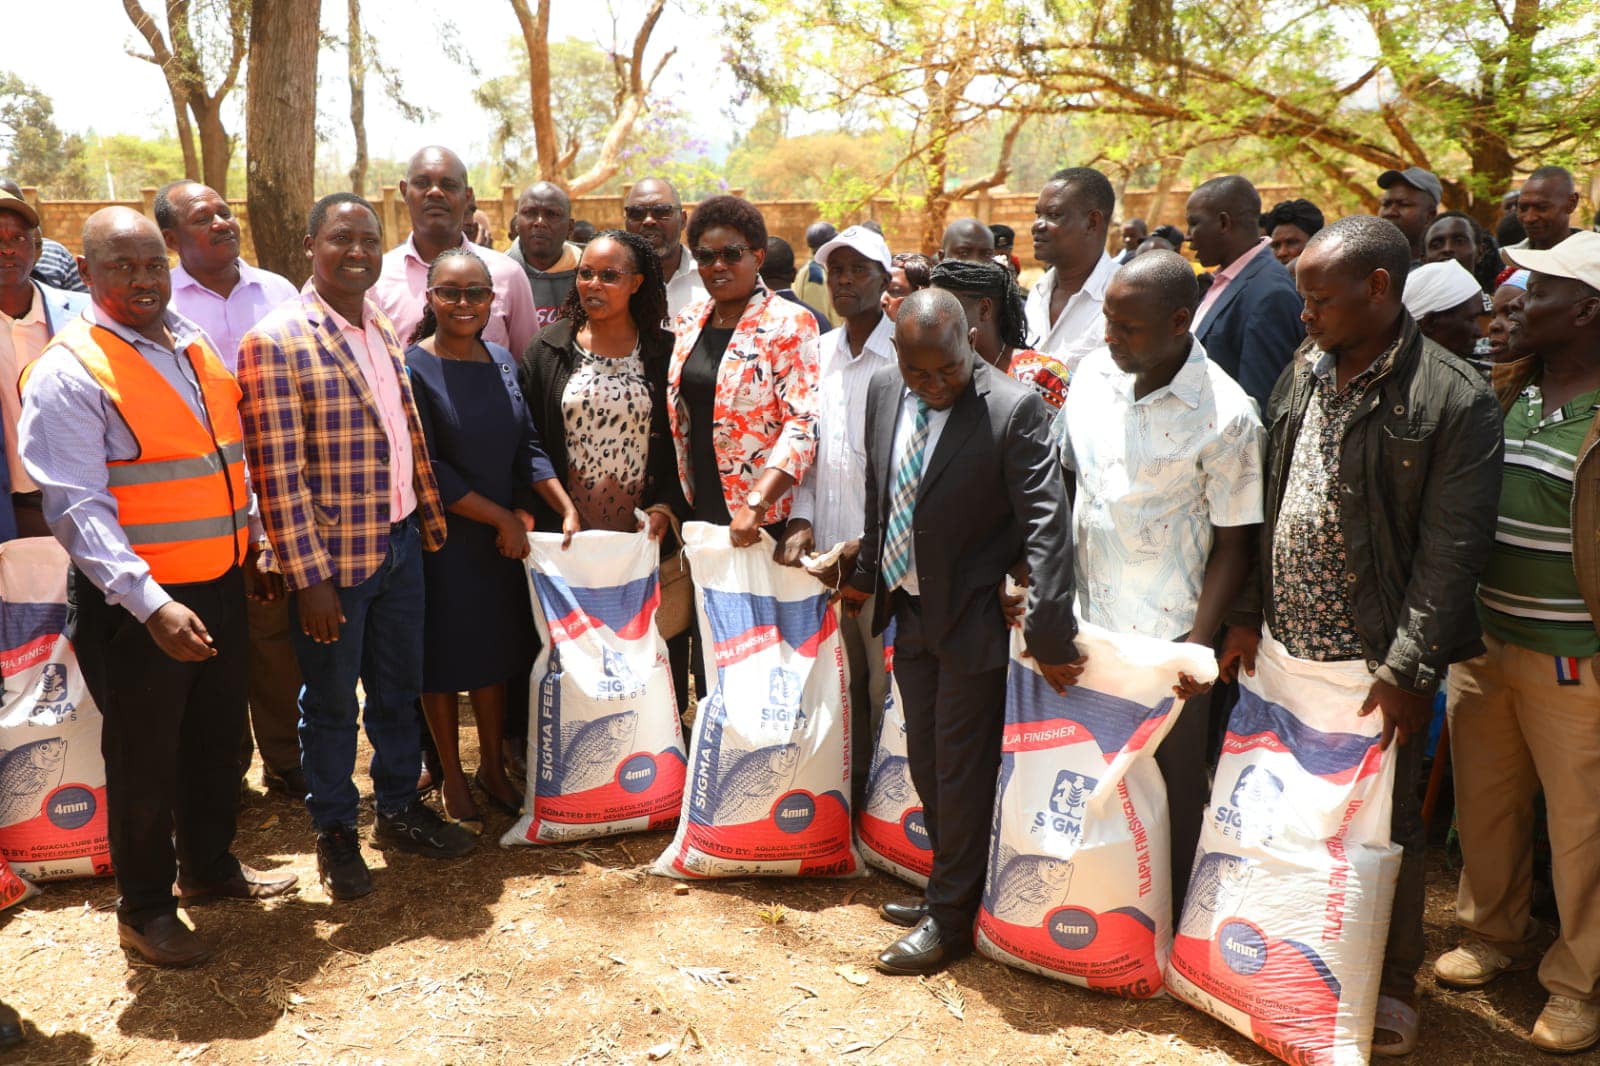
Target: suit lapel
{"points": [[1235, 288], [331, 339], [890, 389], [964, 418]]}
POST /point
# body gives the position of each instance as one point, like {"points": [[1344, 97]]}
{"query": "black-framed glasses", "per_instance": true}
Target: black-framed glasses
{"points": [[454, 294], [608, 276], [659, 212], [728, 253]]}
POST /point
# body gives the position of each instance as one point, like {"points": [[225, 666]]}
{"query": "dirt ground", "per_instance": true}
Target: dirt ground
{"points": [[572, 954]]}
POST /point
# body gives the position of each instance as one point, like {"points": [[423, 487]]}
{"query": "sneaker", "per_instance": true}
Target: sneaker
{"points": [[1474, 964], [419, 830], [1567, 1025], [339, 864]]}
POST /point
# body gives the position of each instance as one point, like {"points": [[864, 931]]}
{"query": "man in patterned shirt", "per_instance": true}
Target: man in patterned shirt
{"points": [[1525, 715], [1383, 468], [1166, 451]]}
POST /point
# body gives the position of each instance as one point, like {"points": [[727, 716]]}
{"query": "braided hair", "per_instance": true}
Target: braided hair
{"points": [[648, 304], [995, 282], [430, 322]]}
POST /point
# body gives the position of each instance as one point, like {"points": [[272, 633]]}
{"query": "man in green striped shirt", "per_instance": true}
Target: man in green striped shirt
{"points": [[1525, 715]]}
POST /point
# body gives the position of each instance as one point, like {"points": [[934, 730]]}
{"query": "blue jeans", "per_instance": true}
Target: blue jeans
{"points": [[380, 644]]}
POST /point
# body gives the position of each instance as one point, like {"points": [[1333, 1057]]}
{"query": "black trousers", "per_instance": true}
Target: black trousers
{"points": [[170, 737], [1186, 770], [953, 725]]}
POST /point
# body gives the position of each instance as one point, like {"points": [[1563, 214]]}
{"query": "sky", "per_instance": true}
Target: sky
{"points": [[103, 88]]}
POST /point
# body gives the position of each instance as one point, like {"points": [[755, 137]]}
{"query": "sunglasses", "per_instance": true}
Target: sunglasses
{"points": [[454, 294], [607, 276], [659, 212], [729, 254]]}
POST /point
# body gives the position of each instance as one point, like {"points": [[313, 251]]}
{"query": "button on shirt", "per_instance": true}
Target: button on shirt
{"points": [[373, 357], [685, 286], [402, 293], [1224, 278], [902, 431], [21, 341], [70, 430], [1081, 326], [1155, 475], [1310, 571], [225, 319], [833, 496]]}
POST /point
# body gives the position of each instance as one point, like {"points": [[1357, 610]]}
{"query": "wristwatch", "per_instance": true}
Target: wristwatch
{"points": [[755, 501]]}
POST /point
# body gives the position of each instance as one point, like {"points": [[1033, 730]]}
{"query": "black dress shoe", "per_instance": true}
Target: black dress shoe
{"points": [[165, 941], [248, 883], [926, 949], [10, 1028], [906, 912]]}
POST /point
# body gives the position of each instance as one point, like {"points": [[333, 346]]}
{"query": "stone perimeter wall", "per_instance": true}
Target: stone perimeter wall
{"points": [[63, 219]]}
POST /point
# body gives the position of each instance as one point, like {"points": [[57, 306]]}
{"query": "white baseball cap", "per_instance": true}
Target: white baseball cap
{"points": [[1577, 257], [860, 238]]}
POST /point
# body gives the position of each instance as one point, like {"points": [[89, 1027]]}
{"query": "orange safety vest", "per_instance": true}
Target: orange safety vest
{"points": [[182, 502]]}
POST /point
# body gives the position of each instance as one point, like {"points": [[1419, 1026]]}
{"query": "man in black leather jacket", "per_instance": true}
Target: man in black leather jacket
{"points": [[1382, 480]]}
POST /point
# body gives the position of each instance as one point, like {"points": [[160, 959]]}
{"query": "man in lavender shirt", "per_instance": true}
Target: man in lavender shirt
{"points": [[437, 197], [225, 296]]}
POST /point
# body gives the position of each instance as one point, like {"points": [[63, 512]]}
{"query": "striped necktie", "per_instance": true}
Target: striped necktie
{"points": [[903, 499]]}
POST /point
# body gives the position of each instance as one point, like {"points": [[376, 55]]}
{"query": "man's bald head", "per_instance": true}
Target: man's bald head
{"points": [[546, 192], [934, 346], [820, 233], [1224, 219], [653, 210], [11, 187], [543, 224], [1230, 193], [124, 261], [651, 189], [1162, 280], [436, 153], [967, 240]]}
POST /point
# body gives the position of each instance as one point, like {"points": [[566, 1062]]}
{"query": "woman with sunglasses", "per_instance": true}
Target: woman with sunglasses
{"points": [[486, 454], [742, 384], [596, 382]]}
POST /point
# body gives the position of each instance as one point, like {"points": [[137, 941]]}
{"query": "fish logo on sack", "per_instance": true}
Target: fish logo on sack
{"points": [[26, 775], [783, 699], [1028, 887], [620, 683], [1217, 888], [1250, 815], [1069, 802]]}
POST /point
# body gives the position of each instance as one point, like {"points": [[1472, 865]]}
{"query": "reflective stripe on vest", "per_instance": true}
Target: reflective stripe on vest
{"points": [[182, 502]]}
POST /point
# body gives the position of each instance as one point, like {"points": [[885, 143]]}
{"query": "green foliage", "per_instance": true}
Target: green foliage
{"points": [[33, 148]]}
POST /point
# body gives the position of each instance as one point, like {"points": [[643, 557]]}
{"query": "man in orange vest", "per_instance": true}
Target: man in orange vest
{"points": [[130, 427]]}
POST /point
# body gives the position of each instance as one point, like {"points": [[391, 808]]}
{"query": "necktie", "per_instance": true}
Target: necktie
{"points": [[903, 499]]}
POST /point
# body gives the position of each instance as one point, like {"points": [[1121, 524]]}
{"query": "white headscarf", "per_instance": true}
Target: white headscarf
{"points": [[1438, 287]]}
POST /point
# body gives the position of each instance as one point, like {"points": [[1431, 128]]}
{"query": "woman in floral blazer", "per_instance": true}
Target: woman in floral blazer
{"points": [[742, 384]]}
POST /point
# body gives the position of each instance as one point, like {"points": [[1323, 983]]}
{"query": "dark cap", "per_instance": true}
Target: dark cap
{"points": [[1415, 177]]}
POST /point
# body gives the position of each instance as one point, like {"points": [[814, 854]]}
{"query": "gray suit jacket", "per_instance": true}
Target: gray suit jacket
{"points": [[991, 493]]}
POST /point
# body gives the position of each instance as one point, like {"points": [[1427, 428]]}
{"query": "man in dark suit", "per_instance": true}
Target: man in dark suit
{"points": [[1249, 320], [962, 485]]}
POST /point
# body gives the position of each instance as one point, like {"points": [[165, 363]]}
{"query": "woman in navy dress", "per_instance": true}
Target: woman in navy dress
{"points": [[478, 627]]}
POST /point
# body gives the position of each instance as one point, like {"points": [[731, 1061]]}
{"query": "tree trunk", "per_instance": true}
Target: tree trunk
{"points": [[191, 157], [216, 147], [358, 100], [535, 25], [281, 97]]}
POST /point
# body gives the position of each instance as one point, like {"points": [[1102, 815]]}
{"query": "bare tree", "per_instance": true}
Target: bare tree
{"points": [[358, 99], [631, 101], [190, 37], [281, 95]]}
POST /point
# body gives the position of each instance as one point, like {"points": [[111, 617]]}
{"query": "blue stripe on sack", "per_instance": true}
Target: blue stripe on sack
{"points": [[1317, 964], [25, 622], [615, 605], [732, 614], [1111, 720], [1319, 753]]}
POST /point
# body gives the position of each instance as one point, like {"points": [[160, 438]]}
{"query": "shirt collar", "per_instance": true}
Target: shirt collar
{"points": [[409, 248], [182, 279], [1322, 364], [34, 316], [184, 332], [1233, 269], [1095, 284], [686, 263], [880, 342], [339, 321], [1186, 385]]}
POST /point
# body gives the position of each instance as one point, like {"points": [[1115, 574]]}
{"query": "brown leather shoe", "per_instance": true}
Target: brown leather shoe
{"points": [[248, 883], [165, 941]]}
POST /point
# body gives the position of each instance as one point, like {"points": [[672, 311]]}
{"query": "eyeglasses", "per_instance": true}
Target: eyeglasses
{"points": [[608, 276], [728, 253], [454, 294], [659, 212]]}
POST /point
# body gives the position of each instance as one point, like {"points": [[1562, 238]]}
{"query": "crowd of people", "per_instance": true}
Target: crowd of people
{"points": [[1371, 438]]}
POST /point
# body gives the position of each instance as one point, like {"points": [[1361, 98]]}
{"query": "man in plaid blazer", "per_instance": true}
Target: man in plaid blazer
{"points": [[349, 502]]}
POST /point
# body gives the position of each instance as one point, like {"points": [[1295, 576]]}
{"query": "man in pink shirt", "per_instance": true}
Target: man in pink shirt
{"points": [[1249, 322], [438, 199]]}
